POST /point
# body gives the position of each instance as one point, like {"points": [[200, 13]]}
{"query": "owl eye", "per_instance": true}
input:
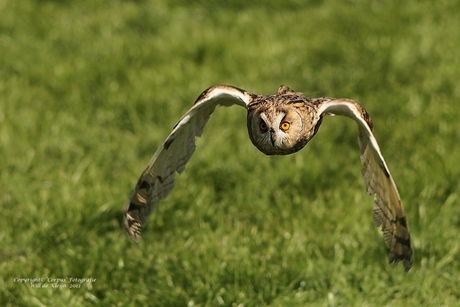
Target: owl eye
{"points": [[285, 126], [263, 126]]}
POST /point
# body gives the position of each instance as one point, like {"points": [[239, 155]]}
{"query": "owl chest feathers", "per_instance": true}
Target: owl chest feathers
{"points": [[283, 123]]}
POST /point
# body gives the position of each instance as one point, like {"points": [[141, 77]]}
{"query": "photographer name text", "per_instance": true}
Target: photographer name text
{"points": [[51, 282]]}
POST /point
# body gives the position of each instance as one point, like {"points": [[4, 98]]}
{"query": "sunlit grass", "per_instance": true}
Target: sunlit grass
{"points": [[89, 90]]}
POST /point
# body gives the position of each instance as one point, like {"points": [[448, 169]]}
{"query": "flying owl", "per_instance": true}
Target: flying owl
{"points": [[278, 124]]}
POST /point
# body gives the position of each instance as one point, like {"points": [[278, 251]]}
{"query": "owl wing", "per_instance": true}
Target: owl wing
{"points": [[388, 211], [157, 180]]}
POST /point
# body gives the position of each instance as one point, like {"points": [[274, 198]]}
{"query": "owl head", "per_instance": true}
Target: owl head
{"points": [[280, 124], [275, 130]]}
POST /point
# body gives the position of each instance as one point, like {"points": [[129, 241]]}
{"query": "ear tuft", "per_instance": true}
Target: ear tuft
{"points": [[284, 90]]}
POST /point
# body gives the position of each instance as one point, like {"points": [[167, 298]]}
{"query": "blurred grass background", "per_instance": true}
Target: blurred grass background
{"points": [[90, 89]]}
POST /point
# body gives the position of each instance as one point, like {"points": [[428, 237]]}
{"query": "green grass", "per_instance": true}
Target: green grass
{"points": [[90, 89]]}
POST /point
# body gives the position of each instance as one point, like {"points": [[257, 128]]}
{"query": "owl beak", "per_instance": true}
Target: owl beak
{"points": [[272, 136]]}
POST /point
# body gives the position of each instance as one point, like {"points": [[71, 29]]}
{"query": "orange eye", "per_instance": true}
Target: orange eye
{"points": [[285, 126], [263, 126]]}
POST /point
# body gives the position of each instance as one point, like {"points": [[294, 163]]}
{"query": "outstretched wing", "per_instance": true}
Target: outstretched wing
{"points": [[388, 211], [157, 180]]}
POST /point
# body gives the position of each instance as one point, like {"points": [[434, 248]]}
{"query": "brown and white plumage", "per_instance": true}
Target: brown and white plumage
{"points": [[278, 124]]}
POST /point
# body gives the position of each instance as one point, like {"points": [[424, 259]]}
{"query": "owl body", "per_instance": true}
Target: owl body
{"points": [[278, 124], [283, 123]]}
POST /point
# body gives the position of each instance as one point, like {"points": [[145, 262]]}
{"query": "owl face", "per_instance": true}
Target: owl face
{"points": [[275, 130]]}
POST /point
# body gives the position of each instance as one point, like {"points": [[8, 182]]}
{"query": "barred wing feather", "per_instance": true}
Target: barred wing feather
{"points": [[388, 210], [157, 180]]}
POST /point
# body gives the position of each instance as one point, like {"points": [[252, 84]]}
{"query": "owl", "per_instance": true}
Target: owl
{"points": [[278, 124]]}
